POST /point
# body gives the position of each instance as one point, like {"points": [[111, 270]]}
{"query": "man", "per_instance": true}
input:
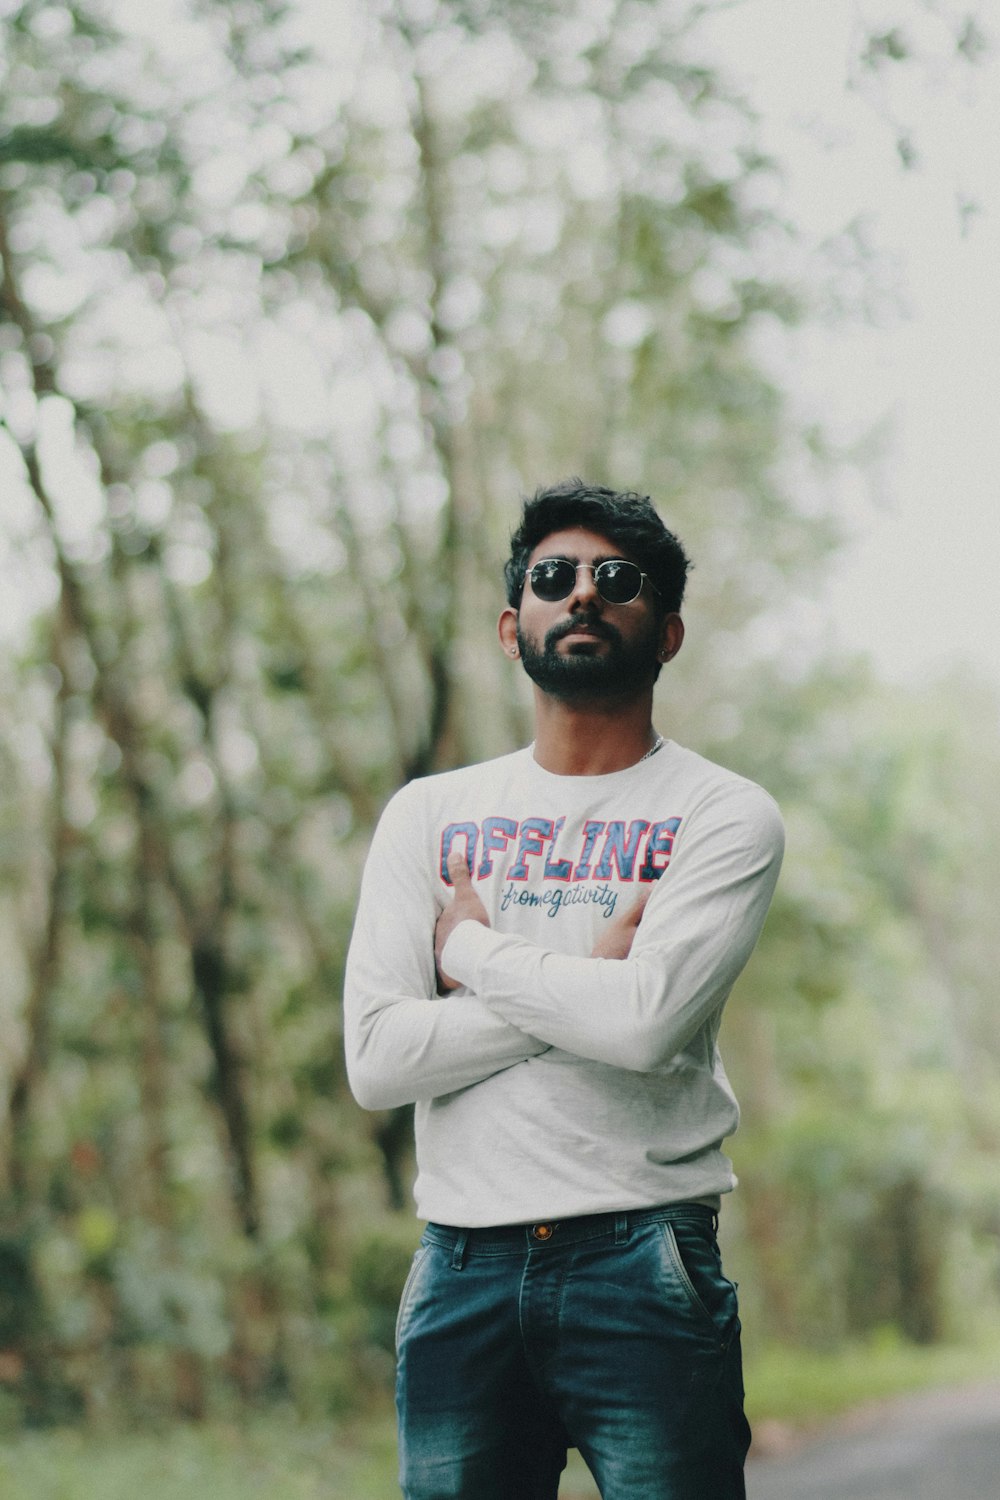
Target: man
{"points": [[543, 949]]}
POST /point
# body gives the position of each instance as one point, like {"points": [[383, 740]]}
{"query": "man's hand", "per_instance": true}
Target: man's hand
{"points": [[616, 939], [465, 906]]}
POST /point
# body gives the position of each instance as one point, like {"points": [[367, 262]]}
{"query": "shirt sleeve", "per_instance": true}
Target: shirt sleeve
{"points": [[402, 1041], [696, 934]]}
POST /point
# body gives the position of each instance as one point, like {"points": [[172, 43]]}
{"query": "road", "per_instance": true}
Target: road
{"points": [[940, 1445]]}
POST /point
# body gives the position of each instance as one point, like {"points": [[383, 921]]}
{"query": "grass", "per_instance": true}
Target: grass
{"points": [[281, 1458], [800, 1387], [268, 1459]]}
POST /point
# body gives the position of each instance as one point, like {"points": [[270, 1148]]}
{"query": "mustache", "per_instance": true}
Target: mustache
{"points": [[592, 622]]}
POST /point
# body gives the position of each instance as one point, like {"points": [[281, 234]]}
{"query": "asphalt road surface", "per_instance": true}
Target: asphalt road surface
{"points": [[940, 1445]]}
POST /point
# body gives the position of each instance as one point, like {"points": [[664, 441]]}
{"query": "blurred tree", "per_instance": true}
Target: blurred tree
{"points": [[294, 302], [862, 1042]]}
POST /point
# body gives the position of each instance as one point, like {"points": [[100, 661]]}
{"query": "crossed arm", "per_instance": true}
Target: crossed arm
{"points": [[403, 1043], [659, 974], [465, 906], [677, 965]]}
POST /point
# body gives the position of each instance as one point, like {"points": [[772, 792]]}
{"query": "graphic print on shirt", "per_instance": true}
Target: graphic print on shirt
{"points": [[573, 871]]}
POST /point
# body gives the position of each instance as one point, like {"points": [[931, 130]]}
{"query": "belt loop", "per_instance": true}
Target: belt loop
{"points": [[621, 1229], [458, 1254]]}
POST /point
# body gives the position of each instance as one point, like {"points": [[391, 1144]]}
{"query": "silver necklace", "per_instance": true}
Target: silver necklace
{"points": [[657, 745]]}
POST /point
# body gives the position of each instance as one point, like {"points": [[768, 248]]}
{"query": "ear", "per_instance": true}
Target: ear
{"points": [[507, 631], [671, 636]]}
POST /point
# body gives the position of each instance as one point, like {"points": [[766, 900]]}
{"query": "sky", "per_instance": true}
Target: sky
{"points": [[917, 584]]}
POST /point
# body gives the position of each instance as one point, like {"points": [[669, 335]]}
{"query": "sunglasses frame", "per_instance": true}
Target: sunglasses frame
{"points": [[593, 569]]}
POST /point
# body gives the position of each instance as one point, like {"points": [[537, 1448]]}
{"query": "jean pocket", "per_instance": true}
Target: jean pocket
{"points": [[409, 1288], [694, 1260]]}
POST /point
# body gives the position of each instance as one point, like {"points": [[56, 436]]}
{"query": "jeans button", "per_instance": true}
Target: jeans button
{"points": [[542, 1231]]}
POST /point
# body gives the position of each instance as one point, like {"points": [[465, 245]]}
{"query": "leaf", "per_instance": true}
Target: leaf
{"points": [[887, 46]]}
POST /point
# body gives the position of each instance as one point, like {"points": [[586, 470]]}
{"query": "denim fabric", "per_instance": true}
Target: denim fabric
{"points": [[617, 1334]]}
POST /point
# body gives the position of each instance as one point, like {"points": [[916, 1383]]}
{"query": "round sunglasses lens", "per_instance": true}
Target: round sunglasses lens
{"points": [[553, 579], [618, 582]]}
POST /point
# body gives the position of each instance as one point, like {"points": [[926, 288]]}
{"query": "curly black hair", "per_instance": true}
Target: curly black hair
{"points": [[623, 516]]}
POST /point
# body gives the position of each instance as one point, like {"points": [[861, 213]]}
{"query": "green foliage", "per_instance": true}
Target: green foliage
{"points": [[286, 327], [867, 1102], [379, 1268], [19, 1300]]}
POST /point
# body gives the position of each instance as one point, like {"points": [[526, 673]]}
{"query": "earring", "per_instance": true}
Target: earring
{"points": [[513, 650]]}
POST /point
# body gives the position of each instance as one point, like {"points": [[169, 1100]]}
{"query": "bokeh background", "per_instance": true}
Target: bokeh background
{"points": [[298, 298]]}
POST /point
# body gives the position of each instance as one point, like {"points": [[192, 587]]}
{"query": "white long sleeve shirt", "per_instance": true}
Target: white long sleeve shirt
{"points": [[552, 1083]]}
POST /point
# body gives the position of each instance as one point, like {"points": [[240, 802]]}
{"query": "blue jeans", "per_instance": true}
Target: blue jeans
{"points": [[614, 1333]]}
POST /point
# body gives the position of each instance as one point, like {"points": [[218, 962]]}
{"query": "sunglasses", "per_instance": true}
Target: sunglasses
{"points": [[617, 581]]}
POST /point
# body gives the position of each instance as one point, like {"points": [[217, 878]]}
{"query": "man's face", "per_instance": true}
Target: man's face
{"points": [[582, 648]]}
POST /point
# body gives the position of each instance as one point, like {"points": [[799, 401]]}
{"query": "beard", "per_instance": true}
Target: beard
{"points": [[586, 675]]}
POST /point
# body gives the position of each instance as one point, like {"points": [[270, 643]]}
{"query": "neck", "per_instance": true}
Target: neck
{"points": [[592, 739]]}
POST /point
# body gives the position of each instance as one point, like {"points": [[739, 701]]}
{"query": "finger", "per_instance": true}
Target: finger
{"points": [[458, 871]]}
